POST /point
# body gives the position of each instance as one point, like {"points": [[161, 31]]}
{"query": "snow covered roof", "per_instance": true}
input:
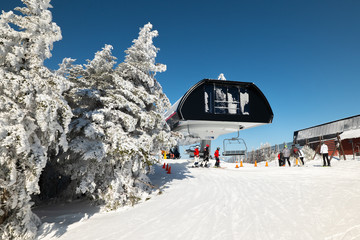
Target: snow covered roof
{"points": [[355, 133], [346, 127]]}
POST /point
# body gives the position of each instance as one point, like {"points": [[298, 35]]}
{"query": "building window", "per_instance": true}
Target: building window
{"points": [[222, 99]]}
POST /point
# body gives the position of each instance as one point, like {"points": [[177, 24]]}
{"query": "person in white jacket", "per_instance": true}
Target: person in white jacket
{"points": [[301, 156], [324, 150]]}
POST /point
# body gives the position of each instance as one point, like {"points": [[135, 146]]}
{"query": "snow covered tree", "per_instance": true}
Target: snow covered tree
{"points": [[266, 153], [139, 70], [34, 117], [118, 126], [93, 99], [309, 153]]}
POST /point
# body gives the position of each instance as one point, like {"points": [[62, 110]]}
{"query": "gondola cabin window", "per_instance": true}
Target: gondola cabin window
{"points": [[222, 99]]}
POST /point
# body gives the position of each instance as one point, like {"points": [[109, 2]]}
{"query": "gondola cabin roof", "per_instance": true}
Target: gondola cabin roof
{"points": [[214, 107]]}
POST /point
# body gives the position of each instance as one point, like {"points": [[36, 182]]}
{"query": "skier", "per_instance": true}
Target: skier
{"points": [[295, 153], [301, 156], [324, 150], [206, 155], [286, 154], [175, 152], [216, 154], [281, 159], [196, 156]]}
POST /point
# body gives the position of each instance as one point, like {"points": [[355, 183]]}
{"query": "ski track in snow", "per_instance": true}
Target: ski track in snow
{"points": [[246, 203]]}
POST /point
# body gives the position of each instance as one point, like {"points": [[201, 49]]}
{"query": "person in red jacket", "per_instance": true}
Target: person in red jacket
{"points": [[196, 155], [216, 155]]}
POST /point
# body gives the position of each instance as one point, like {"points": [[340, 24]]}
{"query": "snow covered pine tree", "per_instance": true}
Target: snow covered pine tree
{"points": [[118, 124], [34, 117], [151, 133]]}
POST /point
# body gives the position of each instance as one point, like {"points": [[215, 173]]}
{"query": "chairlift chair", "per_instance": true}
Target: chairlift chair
{"points": [[241, 148]]}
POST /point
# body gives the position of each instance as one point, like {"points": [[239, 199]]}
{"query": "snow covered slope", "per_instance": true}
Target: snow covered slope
{"points": [[261, 202]]}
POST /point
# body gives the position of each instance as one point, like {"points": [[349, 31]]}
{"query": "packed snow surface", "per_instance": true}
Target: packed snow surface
{"points": [[308, 202]]}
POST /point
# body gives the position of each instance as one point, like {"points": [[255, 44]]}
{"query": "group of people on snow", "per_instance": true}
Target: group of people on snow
{"points": [[286, 153], [205, 160], [283, 156]]}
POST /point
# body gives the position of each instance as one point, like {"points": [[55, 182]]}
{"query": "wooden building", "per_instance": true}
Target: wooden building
{"points": [[342, 136]]}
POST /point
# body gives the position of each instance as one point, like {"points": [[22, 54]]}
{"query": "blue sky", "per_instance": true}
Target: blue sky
{"points": [[303, 54]]}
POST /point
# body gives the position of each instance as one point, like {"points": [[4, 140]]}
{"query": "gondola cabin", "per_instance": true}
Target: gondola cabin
{"points": [[214, 107]]}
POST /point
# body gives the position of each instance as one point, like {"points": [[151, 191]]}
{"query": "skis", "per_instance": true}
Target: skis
{"points": [[196, 165]]}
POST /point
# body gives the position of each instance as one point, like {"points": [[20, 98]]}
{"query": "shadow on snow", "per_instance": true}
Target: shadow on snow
{"points": [[160, 178], [56, 218]]}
